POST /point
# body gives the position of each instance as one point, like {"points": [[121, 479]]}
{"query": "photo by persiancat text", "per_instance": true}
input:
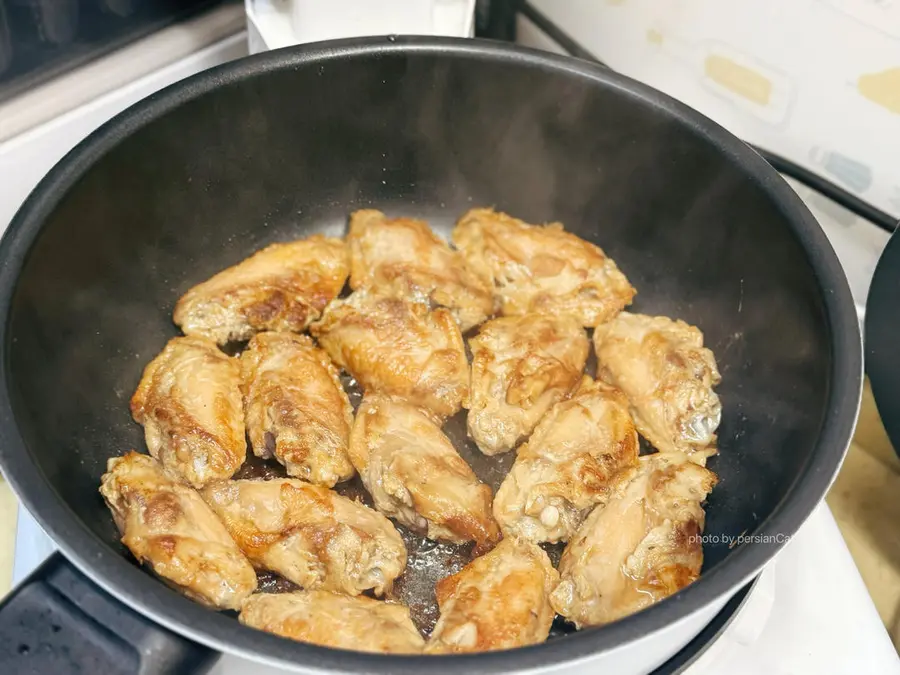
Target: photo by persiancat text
{"points": [[732, 540]]}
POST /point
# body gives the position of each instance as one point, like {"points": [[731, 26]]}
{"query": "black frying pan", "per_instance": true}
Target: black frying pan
{"points": [[285, 144]]}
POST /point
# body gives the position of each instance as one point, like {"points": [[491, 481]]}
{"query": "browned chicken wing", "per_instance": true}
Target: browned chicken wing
{"points": [[166, 524], [296, 408], [668, 376], [398, 347], [498, 601], [282, 287], [415, 475], [403, 256], [309, 534], [334, 620], [568, 465], [542, 269], [639, 547], [189, 401], [521, 366]]}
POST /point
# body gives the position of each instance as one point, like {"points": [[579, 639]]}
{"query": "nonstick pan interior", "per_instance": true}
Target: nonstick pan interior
{"points": [[287, 144]]}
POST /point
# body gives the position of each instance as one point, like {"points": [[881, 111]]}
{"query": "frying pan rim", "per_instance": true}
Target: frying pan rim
{"points": [[141, 592]]}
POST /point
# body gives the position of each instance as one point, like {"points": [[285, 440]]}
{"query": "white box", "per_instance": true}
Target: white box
{"points": [[272, 24]]}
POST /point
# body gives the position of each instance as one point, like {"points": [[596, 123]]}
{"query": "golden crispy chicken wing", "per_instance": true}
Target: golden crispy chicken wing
{"points": [[542, 269], [415, 475], [568, 465], [296, 408], [309, 534], [521, 366], [498, 601], [282, 287], [189, 401], [403, 256], [668, 376], [394, 346], [166, 524], [334, 620], [639, 547]]}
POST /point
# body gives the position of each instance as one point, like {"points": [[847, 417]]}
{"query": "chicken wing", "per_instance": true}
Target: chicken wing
{"points": [[521, 366], [282, 287], [166, 524], [296, 408], [668, 376], [189, 401], [415, 475], [309, 534], [405, 257], [542, 269], [334, 620], [398, 347], [498, 601], [568, 465], [640, 546]]}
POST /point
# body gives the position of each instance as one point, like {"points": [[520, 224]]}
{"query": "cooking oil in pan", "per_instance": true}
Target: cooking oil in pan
{"points": [[427, 561]]}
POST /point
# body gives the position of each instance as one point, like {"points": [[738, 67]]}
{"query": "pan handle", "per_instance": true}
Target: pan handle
{"points": [[59, 621]]}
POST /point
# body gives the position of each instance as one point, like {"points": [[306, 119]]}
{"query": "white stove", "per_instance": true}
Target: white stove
{"points": [[808, 614]]}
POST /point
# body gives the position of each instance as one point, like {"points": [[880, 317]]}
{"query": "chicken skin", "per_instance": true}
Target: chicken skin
{"points": [[189, 401], [283, 287], [498, 601], [296, 408], [403, 256], [568, 465], [542, 269], [334, 620], [165, 523], [667, 375], [521, 366], [640, 546], [397, 347], [309, 534], [415, 475]]}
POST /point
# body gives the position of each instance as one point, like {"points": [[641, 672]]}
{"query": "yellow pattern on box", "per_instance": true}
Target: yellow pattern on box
{"points": [[882, 88], [738, 78]]}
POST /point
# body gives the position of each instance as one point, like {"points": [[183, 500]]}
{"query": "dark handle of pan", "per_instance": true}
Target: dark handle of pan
{"points": [[59, 621]]}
